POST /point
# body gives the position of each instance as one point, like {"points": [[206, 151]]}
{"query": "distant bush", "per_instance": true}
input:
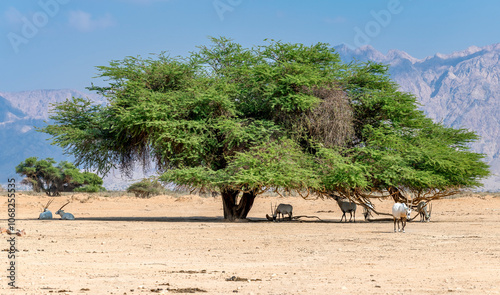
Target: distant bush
{"points": [[146, 188], [90, 189]]}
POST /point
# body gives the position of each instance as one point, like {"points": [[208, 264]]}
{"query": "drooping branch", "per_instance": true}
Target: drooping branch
{"points": [[430, 194]]}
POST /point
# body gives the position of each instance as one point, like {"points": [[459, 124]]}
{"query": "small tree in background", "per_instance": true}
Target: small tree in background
{"points": [[42, 175], [93, 183], [146, 188]]}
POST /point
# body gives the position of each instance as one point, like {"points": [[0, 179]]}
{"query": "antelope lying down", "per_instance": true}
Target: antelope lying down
{"points": [[64, 215], [401, 212], [46, 214]]}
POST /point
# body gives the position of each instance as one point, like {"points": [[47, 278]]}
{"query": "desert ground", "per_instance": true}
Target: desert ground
{"points": [[180, 244]]}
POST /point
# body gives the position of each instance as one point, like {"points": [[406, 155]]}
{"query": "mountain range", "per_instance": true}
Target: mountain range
{"points": [[461, 90]]}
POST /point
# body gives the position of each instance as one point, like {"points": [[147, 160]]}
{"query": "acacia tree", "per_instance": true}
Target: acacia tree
{"points": [[278, 117], [42, 175]]}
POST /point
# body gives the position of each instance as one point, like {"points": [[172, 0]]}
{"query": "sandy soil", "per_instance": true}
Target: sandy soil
{"points": [[124, 245]]}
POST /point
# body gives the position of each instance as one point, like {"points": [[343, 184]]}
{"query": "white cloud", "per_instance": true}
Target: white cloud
{"points": [[84, 22]]}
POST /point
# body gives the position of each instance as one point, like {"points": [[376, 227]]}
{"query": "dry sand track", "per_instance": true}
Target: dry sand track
{"points": [[124, 245]]}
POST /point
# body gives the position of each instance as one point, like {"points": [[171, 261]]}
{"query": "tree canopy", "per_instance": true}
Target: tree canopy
{"points": [[42, 175], [278, 117]]}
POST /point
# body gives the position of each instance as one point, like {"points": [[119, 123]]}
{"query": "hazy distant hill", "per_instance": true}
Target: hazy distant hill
{"points": [[35, 104], [19, 113], [461, 90]]}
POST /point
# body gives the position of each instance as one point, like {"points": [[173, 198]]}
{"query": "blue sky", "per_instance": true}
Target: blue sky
{"points": [[53, 44]]}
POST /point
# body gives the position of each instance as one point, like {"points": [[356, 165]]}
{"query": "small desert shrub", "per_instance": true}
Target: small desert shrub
{"points": [[145, 188], [90, 189]]}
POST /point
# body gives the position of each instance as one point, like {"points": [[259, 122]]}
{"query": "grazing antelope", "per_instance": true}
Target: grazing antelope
{"points": [[64, 215], [282, 209], [401, 212], [367, 213], [46, 214], [346, 207], [422, 211]]}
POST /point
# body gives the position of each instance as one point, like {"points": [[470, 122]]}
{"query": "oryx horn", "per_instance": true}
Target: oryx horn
{"points": [[64, 205], [48, 204]]}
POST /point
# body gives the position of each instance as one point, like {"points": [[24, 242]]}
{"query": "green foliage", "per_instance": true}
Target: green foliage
{"points": [[274, 165], [269, 166], [416, 159], [43, 176], [146, 188], [280, 116], [90, 189], [339, 172], [93, 183]]}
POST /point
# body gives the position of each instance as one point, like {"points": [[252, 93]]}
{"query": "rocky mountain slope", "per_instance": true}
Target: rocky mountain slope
{"points": [[461, 90], [19, 113]]}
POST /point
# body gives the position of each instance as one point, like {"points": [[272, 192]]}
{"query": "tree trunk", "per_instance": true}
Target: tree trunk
{"points": [[245, 204], [232, 210], [52, 191], [39, 186]]}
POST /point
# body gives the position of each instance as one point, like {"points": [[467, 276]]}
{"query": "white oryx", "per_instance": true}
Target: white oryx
{"points": [[422, 211], [282, 209], [346, 207], [64, 215], [46, 214], [401, 212]]}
